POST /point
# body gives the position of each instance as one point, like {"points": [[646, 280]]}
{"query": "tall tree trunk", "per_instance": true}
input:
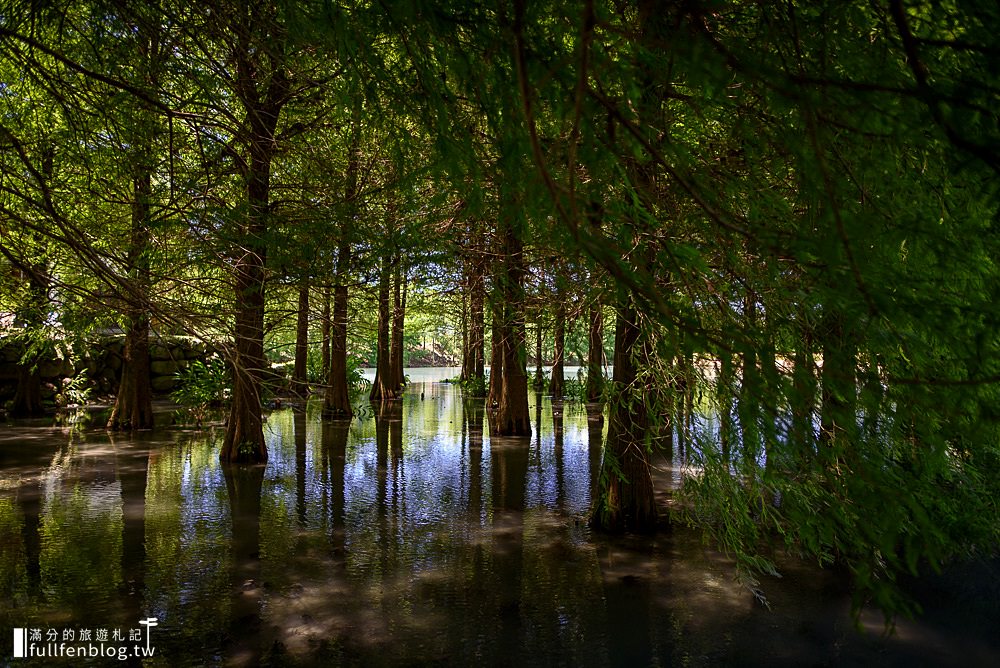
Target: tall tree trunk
{"points": [[749, 400], [337, 401], [595, 354], [396, 377], [133, 407], [325, 335], [466, 373], [512, 417], [28, 395], [556, 388], [625, 500], [539, 374], [300, 381], [381, 388], [477, 333], [244, 439], [496, 352]]}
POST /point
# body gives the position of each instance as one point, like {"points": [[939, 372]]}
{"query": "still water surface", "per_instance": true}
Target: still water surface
{"points": [[408, 536]]}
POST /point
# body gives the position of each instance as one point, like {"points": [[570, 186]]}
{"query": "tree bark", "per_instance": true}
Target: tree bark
{"points": [[625, 500], [396, 377], [512, 417], [595, 354], [381, 387], [244, 439], [28, 395], [300, 381], [496, 352], [539, 374], [133, 407], [556, 388], [337, 401], [325, 335], [476, 325]]}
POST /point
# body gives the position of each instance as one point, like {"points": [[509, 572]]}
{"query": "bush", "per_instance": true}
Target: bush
{"points": [[200, 387]]}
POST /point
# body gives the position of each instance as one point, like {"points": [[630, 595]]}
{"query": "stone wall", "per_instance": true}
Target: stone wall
{"points": [[102, 362]]}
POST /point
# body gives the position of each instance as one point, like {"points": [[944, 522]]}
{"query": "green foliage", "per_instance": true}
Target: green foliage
{"points": [[356, 380], [75, 391], [201, 386]]}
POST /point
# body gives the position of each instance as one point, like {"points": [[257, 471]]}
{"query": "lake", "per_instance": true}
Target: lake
{"points": [[406, 536]]}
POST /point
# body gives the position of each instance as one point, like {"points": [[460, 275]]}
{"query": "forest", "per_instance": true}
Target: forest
{"points": [[779, 215]]}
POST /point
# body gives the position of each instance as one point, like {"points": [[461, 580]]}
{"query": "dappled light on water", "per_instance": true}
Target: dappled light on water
{"points": [[406, 536]]}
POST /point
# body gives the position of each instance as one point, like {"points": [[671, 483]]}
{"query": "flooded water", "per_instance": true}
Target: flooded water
{"points": [[406, 536]]}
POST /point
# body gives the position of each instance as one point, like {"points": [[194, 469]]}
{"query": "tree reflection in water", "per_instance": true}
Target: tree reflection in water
{"points": [[408, 536]]}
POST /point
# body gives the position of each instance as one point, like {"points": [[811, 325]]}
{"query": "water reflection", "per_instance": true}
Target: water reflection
{"points": [[408, 536]]}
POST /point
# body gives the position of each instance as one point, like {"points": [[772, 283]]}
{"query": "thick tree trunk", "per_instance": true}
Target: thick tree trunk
{"points": [[244, 439], [595, 354], [556, 388], [133, 407], [512, 417], [28, 396], [300, 382], [625, 500]]}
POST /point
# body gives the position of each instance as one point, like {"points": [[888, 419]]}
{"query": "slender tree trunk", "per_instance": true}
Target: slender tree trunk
{"points": [[325, 335], [595, 354], [396, 377], [496, 354], [381, 388], [476, 325], [337, 401], [748, 401], [300, 381], [539, 374], [559, 334], [625, 500], [466, 372]]}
